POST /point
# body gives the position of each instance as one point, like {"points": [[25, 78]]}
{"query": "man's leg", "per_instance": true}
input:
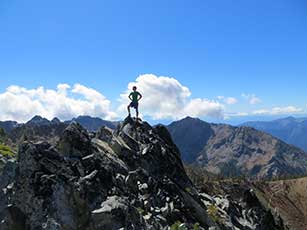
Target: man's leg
{"points": [[128, 107], [137, 112]]}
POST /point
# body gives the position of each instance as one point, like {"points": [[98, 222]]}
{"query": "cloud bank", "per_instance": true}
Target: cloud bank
{"points": [[167, 98], [21, 104], [279, 111], [163, 98], [287, 110]]}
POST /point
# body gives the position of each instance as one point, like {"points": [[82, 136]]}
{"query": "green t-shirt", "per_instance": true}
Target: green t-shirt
{"points": [[135, 96]]}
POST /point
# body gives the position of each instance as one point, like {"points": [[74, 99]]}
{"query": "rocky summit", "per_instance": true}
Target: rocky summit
{"points": [[128, 178]]}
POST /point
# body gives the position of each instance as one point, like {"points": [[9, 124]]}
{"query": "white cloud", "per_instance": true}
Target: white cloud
{"points": [[167, 98], [203, 107], [252, 98], [228, 100], [20, 104], [231, 101], [238, 114], [278, 111], [235, 114], [262, 112]]}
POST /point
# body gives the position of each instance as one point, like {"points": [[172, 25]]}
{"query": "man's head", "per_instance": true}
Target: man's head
{"points": [[134, 88]]}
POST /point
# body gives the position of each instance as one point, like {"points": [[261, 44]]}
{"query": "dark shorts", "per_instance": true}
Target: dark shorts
{"points": [[134, 105]]}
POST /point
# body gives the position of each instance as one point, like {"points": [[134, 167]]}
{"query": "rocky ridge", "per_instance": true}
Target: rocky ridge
{"points": [[128, 178], [237, 151]]}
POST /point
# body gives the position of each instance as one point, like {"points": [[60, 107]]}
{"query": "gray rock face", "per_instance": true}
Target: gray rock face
{"points": [[75, 141], [236, 205], [6, 183], [129, 178]]}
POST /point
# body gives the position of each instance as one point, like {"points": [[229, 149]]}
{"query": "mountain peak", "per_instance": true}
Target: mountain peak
{"points": [[287, 119], [86, 117], [190, 121], [38, 120], [190, 135], [188, 118], [55, 121]]}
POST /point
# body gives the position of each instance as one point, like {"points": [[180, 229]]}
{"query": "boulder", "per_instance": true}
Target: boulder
{"points": [[75, 141]]}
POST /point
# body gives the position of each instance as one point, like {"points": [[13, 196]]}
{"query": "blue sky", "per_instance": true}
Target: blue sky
{"points": [[214, 48]]}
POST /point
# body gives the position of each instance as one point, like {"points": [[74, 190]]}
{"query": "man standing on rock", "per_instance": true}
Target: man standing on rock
{"points": [[134, 96]]}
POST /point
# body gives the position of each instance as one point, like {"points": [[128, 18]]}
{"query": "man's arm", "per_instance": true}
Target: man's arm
{"points": [[140, 96], [130, 96]]}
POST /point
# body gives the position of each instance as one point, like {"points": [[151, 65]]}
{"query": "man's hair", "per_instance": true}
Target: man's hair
{"points": [[134, 87]]}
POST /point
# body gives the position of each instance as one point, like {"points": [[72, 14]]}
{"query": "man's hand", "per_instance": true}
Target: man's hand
{"points": [[140, 97]]}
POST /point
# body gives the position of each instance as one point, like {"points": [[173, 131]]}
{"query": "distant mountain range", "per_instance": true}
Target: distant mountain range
{"points": [[234, 151], [93, 123], [8, 126], [42, 129], [291, 130], [218, 148], [90, 123]]}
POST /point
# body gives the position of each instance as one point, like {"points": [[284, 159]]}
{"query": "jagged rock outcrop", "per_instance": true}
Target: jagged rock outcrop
{"points": [[236, 203], [129, 178]]}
